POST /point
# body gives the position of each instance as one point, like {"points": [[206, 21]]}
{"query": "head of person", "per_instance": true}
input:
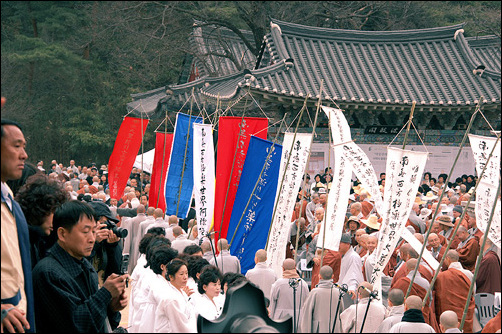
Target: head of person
{"points": [[355, 208], [322, 199], [210, 281], [353, 223], [222, 245], [411, 264], [451, 257], [143, 199], [315, 198], [162, 255], [231, 279], [13, 147], [413, 302], [371, 243], [319, 214], [359, 233], [344, 244], [194, 250], [173, 220], [260, 256], [363, 240], [326, 272], [39, 198], [427, 176], [177, 231], [447, 320], [158, 213], [177, 272], [395, 297], [206, 246], [195, 266], [288, 264], [363, 293], [433, 240], [462, 233], [75, 226]]}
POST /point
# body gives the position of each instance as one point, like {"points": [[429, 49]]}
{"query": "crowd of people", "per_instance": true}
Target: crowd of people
{"points": [[69, 251]]}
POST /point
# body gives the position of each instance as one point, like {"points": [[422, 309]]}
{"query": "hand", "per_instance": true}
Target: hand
{"points": [[102, 233], [15, 321], [112, 238], [115, 284], [352, 294], [119, 303], [187, 290], [317, 261]]}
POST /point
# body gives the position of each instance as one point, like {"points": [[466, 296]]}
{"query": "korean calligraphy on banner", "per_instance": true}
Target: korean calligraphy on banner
{"points": [[403, 174], [204, 179], [487, 189], [290, 175], [338, 196]]}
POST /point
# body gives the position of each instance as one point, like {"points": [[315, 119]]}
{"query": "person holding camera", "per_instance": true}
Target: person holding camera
{"points": [[106, 255], [68, 298]]}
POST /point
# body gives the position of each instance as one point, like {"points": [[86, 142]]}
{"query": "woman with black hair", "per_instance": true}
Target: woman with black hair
{"points": [[175, 313], [209, 286], [39, 198]]}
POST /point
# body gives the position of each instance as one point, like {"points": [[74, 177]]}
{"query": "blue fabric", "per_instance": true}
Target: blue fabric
{"points": [[24, 249], [252, 232], [175, 185]]}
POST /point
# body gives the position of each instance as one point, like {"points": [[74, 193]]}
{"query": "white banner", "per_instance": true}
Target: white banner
{"points": [[204, 177], [403, 175], [286, 195], [417, 246], [487, 189], [338, 196]]}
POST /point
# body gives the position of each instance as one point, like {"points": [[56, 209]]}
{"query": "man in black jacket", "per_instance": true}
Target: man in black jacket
{"points": [[67, 294]]}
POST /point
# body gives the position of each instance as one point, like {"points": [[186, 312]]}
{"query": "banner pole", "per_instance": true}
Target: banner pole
{"points": [[284, 174], [308, 159], [428, 232], [163, 159], [478, 262], [185, 155], [458, 225], [327, 192], [409, 124]]}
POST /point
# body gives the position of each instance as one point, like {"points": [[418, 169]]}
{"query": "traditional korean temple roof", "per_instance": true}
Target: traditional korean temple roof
{"points": [[439, 68]]}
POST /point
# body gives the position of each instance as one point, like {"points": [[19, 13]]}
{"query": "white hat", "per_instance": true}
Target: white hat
{"points": [[429, 197], [424, 213], [372, 222]]}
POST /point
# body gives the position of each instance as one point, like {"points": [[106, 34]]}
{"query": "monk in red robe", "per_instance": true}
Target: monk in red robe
{"points": [[488, 279], [407, 252], [468, 249], [419, 288], [452, 288], [434, 246], [331, 258]]}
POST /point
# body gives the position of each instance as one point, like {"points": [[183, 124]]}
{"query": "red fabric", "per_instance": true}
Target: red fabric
{"points": [[331, 258], [124, 153], [416, 290], [158, 173], [402, 272], [493, 325], [230, 146], [469, 254], [452, 289]]}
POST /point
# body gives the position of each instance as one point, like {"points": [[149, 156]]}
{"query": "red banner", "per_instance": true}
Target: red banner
{"points": [[124, 153], [230, 145], [157, 198]]}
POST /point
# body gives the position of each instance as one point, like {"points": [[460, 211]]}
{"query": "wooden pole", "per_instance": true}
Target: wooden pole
{"points": [[308, 159], [327, 192], [163, 159], [185, 154], [287, 164], [439, 201], [480, 257], [409, 124], [458, 225]]}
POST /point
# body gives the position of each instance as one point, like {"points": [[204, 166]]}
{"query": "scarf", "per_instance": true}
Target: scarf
{"points": [[290, 273], [413, 315]]}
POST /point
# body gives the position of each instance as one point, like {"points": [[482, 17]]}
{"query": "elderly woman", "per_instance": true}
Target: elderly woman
{"points": [[209, 286], [175, 313]]}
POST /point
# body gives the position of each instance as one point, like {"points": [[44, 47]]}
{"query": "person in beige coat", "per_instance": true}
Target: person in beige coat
{"points": [[320, 310]]}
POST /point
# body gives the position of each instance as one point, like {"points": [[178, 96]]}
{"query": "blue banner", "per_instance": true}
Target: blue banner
{"points": [[179, 180], [255, 214]]}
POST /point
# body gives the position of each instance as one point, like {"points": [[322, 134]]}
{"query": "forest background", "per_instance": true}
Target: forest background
{"points": [[68, 67]]}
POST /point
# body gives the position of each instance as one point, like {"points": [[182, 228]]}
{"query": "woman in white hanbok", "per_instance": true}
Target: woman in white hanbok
{"points": [[174, 313], [209, 287]]}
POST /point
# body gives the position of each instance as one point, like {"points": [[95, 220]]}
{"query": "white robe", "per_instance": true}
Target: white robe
{"points": [[175, 314], [395, 315], [140, 293], [351, 270], [376, 314], [411, 327], [227, 263], [207, 308]]}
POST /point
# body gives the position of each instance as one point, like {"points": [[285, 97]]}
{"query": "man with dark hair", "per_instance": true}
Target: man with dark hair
{"points": [[68, 297], [16, 289]]}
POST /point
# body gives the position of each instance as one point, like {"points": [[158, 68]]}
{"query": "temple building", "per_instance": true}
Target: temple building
{"points": [[373, 76]]}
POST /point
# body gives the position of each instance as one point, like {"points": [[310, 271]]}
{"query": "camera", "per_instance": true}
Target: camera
{"points": [[118, 231]]}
